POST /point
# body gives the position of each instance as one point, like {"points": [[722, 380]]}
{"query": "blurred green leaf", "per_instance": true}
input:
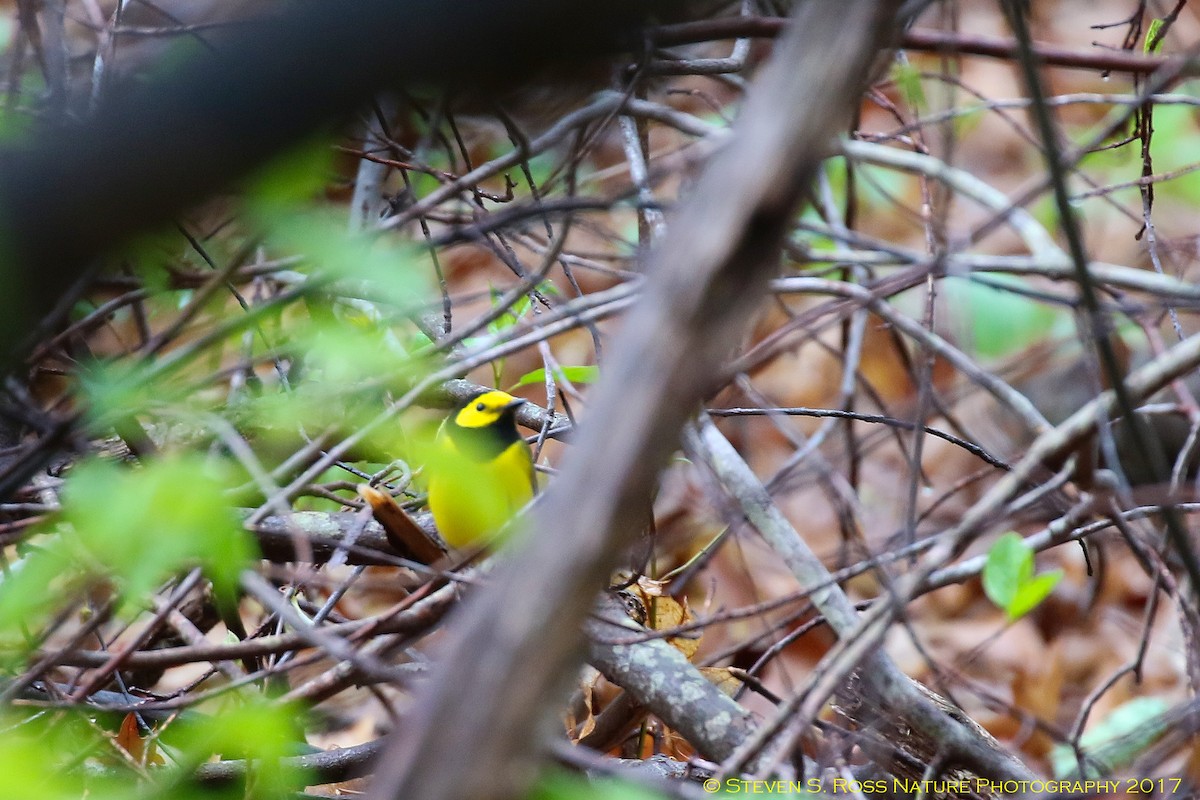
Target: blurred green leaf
{"points": [[31, 591], [512, 315], [345, 364], [1001, 322], [67, 756], [118, 390], [1152, 43], [879, 187], [133, 527], [908, 80], [964, 124], [243, 727], [43, 757], [1113, 741], [143, 525], [291, 179], [1175, 130], [368, 269], [1045, 211], [348, 347], [561, 785]]}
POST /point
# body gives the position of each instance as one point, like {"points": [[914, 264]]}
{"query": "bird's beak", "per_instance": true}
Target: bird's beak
{"points": [[515, 403]]}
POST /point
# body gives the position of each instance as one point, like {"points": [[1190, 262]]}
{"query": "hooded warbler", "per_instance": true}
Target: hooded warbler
{"points": [[482, 473]]}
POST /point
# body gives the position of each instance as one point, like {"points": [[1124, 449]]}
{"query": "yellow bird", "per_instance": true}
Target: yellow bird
{"points": [[481, 474]]}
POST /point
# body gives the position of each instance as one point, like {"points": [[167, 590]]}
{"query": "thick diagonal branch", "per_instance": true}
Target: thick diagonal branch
{"points": [[476, 731]]}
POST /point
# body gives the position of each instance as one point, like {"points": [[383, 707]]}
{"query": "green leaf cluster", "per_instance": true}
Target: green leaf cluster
{"points": [[65, 755], [132, 529]]}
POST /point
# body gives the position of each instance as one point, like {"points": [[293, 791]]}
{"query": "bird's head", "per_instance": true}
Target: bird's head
{"points": [[487, 409]]}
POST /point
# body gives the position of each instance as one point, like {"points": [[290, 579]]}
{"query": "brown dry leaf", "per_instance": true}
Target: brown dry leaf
{"points": [[130, 740], [578, 728], [886, 368], [723, 679], [673, 746], [403, 534], [663, 612]]}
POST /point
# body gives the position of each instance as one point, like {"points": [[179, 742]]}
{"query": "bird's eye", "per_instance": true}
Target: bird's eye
{"points": [[480, 407]]}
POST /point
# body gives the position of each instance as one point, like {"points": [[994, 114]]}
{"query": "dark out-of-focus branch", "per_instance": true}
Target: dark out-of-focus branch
{"points": [[69, 192]]}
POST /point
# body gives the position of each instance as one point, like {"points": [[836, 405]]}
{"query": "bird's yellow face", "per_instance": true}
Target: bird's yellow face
{"points": [[486, 409]]}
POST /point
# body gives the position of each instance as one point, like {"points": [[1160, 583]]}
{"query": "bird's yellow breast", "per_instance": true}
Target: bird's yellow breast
{"points": [[471, 498]]}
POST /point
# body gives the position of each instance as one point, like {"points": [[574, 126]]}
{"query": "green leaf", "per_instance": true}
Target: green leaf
{"points": [[879, 187], [908, 80], [117, 391], [30, 592], [293, 178], [558, 784], [1153, 43], [512, 315], [245, 727], [67, 755], [40, 757], [582, 374], [966, 122], [1001, 322], [371, 271], [1009, 580], [1174, 128], [132, 528], [143, 525], [1031, 593], [1113, 741], [1008, 563]]}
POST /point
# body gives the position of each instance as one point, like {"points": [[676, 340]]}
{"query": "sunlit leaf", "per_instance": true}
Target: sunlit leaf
{"points": [[1008, 563], [1009, 580], [580, 374], [1032, 592], [1152, 43]]}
